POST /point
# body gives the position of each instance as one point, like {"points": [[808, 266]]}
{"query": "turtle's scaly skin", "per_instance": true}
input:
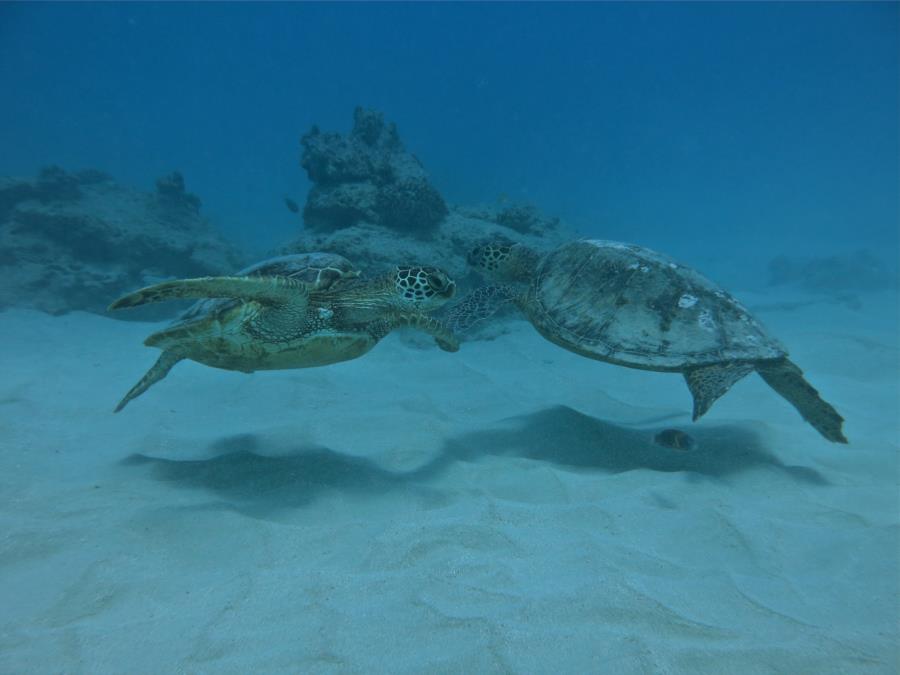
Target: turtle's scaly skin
{"points": [[292, 312], [633, 307]]}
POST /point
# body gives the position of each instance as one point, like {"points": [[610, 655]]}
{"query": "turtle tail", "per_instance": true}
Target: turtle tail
{"points": [[787, 379], [157, 372]]}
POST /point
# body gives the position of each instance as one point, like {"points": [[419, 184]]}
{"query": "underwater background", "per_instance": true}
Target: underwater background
{"points": [[514, 507], [734, 126]]}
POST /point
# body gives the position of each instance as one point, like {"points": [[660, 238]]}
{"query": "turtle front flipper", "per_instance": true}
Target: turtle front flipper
{"points": [[442, 335], [267, 290], [157, 372], [785, 377], [480, 304]]}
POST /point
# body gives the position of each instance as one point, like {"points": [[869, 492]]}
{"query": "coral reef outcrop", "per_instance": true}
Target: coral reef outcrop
{"points": [[371, 202], [77, 240], [367, 177]]}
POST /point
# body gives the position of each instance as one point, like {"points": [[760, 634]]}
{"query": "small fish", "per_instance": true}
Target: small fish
{"points": [[675, 439], [292, 205]]}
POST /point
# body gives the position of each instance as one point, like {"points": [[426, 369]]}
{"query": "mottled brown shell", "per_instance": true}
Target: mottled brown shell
{"points": [[319, 269], [322, 270], [629, 305]]}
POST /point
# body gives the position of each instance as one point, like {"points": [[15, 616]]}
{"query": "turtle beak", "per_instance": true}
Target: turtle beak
{"points": [[440, 282], [446, 288], [451, 289]]}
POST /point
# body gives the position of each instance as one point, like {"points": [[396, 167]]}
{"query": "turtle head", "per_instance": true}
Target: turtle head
{"points": [[422, 288], [504, 261]]}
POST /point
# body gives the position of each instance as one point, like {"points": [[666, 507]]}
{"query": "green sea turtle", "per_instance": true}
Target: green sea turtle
{"points": [[295, 311], [633, 307]]}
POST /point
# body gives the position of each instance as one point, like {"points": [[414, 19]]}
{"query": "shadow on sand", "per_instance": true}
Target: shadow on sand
{"points": [[563, 436], [240, 470]]}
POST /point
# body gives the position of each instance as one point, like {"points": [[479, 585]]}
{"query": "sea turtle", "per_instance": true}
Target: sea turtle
{"points": [[294, 311], [633, 307]]}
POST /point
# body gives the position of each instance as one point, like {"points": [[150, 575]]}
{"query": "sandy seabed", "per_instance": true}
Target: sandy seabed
{"points": [[503, 509]]}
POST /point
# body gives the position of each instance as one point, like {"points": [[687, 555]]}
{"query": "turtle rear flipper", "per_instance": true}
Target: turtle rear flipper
{"points": [[785, 377], [480, 304], [268, 290], [708, 383], [157, 372]]}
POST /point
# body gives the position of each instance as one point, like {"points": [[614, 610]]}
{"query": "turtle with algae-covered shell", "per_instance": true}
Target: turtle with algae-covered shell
{"points": [[633, 307], [295, 311]]}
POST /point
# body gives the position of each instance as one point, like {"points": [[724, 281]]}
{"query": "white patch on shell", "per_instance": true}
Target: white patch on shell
{"points": [[644, 269], [673, 266], [634, 266], [325, 313], [706, 321], [687, 300]]}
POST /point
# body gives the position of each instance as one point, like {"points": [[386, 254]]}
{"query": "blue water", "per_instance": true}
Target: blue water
{"points": [[749, 126]]}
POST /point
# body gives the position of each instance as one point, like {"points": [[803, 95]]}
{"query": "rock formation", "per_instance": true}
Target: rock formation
{"points": [[371, 202], [367, 177], [75, 241]]}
